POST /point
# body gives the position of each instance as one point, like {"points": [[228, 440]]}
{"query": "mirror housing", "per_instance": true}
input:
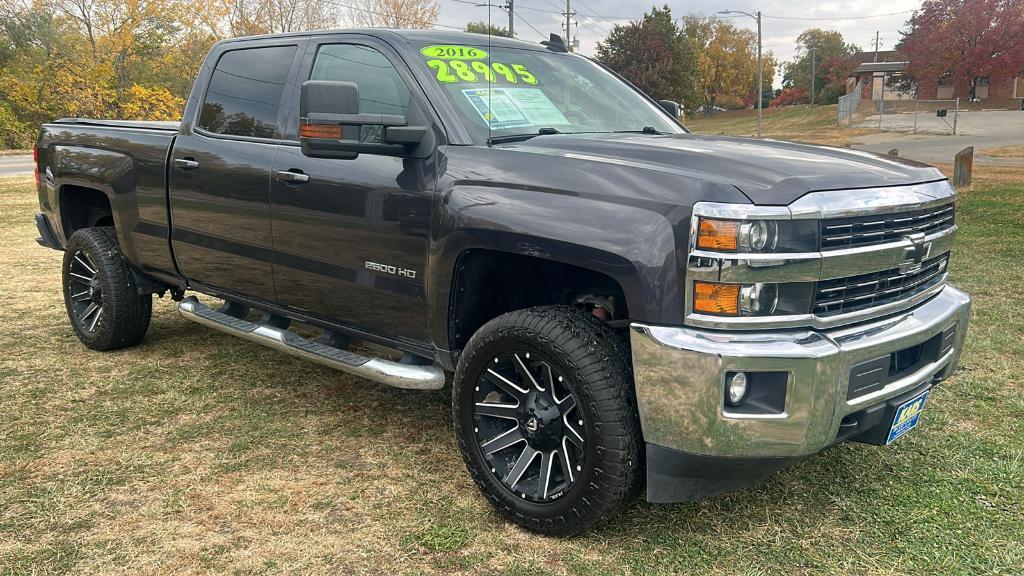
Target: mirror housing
{"points": [[671, 107], [331, 126]]}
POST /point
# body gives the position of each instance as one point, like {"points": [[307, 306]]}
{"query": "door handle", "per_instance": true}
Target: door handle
{"points": [[291, 177], [186, 163]]}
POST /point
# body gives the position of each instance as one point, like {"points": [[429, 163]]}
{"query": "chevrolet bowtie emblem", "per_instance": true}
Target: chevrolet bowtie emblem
{"points": [[916, 253]]}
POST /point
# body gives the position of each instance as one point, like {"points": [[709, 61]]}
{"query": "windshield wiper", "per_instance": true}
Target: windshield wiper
{"points": [[521, 137], [644, 130]]}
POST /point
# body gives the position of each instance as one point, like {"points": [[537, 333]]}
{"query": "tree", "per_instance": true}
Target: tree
{"points": [[828, 46], [394, 13], [653, 53], [485, 28], [964, 39], [726, 70]]}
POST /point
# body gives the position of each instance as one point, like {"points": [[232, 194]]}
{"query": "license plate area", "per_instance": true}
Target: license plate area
{"points": [[907, 416]]}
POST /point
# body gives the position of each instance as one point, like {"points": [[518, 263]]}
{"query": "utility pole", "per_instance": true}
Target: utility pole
{"points": [[814, 68], [511, 7], [876, 45], [568, 25], [760, 62], [760, 71]]}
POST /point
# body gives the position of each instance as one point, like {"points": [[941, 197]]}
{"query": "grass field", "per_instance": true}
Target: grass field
{"points": [[196, 452], [811, 124], [1007, 152]]}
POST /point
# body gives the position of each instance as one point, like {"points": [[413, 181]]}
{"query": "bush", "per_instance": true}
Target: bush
{"points": [[789, 97]]}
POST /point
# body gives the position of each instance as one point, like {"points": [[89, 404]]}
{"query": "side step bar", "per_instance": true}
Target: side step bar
{"points": [[383, 371]]}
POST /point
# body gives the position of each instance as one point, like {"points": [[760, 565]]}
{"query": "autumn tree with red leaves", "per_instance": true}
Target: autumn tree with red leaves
{"points": [[964, 39], [654, 54]]}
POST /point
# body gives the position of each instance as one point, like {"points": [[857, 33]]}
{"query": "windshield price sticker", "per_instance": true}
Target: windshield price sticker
{"points": [[453, 52], [466, 64], [514, 107]]}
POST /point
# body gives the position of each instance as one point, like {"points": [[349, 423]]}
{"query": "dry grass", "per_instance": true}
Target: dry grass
{"points": [[197, 453], [1007, 152], [809, 124]]}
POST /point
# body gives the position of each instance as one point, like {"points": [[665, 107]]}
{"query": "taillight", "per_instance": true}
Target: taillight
{"points": [[35, 160]]}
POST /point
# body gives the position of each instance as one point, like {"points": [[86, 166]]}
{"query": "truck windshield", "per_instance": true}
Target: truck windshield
{"points": [[503, 92]]}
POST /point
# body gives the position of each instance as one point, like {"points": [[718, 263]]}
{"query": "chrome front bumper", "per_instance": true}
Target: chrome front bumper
{"points": [[680, 378]]}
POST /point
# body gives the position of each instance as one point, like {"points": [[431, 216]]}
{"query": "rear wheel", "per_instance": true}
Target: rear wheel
{"points": [[544, 413], [100, 292]]}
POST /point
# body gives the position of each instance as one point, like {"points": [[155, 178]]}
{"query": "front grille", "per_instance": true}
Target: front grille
{"points": [[867, 290], [878, 229]]}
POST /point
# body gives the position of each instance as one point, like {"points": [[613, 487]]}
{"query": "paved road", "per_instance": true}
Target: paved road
{"points": [[16, 165], [983, 130]]}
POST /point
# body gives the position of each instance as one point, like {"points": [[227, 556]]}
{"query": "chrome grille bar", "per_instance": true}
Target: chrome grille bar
{"points": [[879, 229], [866, 290]]}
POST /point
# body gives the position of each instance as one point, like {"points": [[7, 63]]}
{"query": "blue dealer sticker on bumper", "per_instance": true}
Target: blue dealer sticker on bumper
{"points": [[908, 415]]}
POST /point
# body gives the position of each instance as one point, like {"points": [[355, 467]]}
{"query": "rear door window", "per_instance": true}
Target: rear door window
{"points": [[244, 95]]}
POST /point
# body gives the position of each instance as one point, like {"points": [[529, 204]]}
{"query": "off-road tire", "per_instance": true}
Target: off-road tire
{"points": [[595, 362], [125, 314]]}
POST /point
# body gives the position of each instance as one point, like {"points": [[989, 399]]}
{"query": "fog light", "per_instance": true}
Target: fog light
{"points": [[737, 389]]}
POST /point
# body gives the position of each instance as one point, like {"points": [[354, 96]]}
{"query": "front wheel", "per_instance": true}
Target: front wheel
{"points": [[100, 292], [544, 414]]}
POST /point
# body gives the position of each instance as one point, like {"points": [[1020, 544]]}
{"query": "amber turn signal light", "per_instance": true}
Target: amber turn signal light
{"points": [[717, 234], [331, 131], [713, 298]]}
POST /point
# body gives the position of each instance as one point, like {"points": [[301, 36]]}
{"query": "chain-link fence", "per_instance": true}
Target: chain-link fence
{"points": [[925, 116], [848, 106]]}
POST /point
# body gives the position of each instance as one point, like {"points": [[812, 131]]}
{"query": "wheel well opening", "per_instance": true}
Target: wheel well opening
{"points": [[83, 207], [488, 284]]}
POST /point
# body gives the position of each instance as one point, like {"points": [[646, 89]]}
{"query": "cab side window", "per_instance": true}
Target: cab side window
{"points": [[381, 89], [245, 90]]}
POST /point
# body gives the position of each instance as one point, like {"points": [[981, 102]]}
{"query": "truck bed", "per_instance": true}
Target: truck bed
{"points": [[126, 161], [169, 126]]}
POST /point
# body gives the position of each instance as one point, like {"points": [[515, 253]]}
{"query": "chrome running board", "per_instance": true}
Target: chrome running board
{"points": [[386, 372]]}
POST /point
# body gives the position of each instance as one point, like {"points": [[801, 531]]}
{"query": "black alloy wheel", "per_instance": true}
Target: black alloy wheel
{"points": [[101, 293], [528, 426], [546, 419]]}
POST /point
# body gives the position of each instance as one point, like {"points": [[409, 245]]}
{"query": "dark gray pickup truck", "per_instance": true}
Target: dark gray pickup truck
{"points": [[624, 304]]}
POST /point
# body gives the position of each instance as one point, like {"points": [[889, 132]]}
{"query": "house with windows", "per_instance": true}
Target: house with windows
{"points": [[882, 76]]}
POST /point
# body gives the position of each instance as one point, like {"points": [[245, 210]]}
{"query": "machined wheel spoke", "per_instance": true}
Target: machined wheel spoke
{"points": [[563, 455], [547, 459], [525, 372], [81, 296], [565, 405], [510, 388], [517, 471], [84, 265], [502, 441], [92, 307], [95, 319], [507, 411], [573, 436], [80, 278]]}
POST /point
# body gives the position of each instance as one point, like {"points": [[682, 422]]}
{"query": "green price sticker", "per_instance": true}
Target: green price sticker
{"points": [[449, 71], [452, 52]]}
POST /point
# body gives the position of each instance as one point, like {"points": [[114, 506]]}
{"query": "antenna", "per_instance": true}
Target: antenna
{"points": [[490, 113]]}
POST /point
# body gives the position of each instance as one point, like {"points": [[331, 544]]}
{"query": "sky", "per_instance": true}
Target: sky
{"points": [[782, 21]]}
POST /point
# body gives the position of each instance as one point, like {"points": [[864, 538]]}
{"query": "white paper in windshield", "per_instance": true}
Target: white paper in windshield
{"points": [[515, 107], [496, 108]]}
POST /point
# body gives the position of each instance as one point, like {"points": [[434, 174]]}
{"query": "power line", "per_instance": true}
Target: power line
{"points": [[836, 19]]}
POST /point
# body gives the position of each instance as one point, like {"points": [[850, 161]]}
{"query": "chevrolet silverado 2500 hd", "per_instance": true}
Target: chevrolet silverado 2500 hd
{"points": [[624, 304]]}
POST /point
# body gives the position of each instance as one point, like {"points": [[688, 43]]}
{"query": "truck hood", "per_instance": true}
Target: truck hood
{"points": [[768, 172]]}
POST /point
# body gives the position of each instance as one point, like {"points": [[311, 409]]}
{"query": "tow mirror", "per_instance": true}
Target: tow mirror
{"points": [[671, 107], [331, 126]]}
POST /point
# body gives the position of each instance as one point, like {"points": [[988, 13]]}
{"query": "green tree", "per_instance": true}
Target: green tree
{"points": [[829, 47], [488, 29], [726, 72], [654, 54]]}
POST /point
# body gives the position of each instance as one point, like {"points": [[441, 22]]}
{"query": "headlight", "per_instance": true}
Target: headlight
{"points": [[747, 236], [758, 299]]}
